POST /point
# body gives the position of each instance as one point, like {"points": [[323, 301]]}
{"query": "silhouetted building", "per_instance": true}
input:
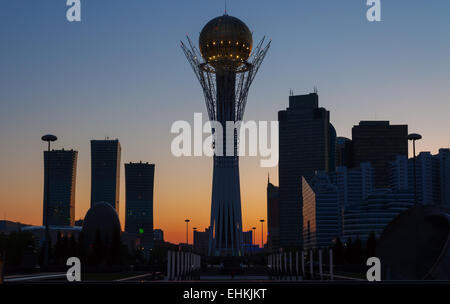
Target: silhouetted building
{"points": [[201, 241], [332, 148], [375, 213], [321, 212], [353, 184], [7, 227], [343, 152], [105, 172], [304, 148], [158, 235], [248, 238], [432, 176], [62, 167], [101, 225], [139, 181], [444, 176], [273, 217], [379, 142]]}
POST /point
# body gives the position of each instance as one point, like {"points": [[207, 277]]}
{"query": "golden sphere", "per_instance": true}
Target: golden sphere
{"points": [[225, 42]]}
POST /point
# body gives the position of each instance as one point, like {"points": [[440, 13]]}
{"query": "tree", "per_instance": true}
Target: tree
{"points": [[338, 252], [357, 251], [58, 248], [348, 251], [14, 245], [371, 245]]}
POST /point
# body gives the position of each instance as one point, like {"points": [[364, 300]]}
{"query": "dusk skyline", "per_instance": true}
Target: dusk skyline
{"points": [[129, 80]]}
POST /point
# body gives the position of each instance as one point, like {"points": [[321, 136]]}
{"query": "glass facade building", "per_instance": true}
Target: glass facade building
{"points": [[139, 184], [62, 167]]}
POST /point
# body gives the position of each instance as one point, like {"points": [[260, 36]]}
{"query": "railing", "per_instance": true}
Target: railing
{"points": [[182, 265], [295, 266]]}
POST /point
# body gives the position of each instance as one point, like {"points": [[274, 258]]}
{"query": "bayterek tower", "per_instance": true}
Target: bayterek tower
{"points": [[225, 64]]}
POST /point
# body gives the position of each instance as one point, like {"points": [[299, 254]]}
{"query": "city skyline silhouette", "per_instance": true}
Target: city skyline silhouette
{"points": [[130, 81]]}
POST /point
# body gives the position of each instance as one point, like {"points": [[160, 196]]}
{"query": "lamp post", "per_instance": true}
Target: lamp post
{"points": [[187, 231], [48, 138], [262, 233], [413, 137]]}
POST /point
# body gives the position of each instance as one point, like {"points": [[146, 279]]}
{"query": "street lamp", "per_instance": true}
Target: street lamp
{"points": [[413, 137], [48, 138], [262, 233], [187, 231]]}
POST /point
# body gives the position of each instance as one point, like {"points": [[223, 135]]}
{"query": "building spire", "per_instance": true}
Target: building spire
{"points": [[268, 178]]}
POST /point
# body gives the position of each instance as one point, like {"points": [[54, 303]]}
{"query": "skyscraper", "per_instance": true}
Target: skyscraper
{"points": [[105, 172], [226, 67], [379, 142], [304, 148], [273, 217], [354, 184], [62, 165], [444, 176], [432, 176], [321, 212], [343, 152], [374, 213], [139, 183]]}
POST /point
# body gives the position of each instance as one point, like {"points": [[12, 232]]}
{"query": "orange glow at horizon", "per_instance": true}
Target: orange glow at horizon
{"points": [[182, 190]]}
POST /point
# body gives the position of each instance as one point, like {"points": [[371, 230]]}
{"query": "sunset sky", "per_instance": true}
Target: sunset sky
{"points": [[120, 73]]}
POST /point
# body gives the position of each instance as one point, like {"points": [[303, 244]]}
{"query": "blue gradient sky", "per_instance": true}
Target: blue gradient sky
{"points": [[121, 73]]}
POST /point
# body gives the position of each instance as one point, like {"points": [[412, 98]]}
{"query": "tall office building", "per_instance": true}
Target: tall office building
{"points": [[343, 152], [201, 241], [375, 213], [321, 212], [354, 184], [105, 172], [158, 235], [139, 181], [379, 142], [443, 159], [304, 148], [62, 167], [273, 217], [432, 176]]}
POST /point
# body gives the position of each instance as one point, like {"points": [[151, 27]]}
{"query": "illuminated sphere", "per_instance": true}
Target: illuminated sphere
{"points": [[225, 42]]}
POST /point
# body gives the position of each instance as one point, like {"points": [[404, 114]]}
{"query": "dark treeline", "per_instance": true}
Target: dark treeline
{"points": [[354, 252], [21, 251]]}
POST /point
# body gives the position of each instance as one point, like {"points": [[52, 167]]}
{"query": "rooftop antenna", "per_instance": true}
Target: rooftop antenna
{"points": [[226, 7], [315, 90], [268, 178]]}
